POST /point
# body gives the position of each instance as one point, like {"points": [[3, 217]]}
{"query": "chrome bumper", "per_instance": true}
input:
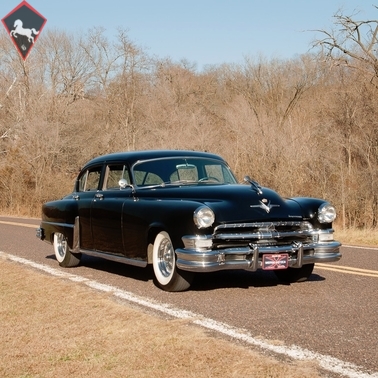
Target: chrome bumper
{"points": [[250, 258]]}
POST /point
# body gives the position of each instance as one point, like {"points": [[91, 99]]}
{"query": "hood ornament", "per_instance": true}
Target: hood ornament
{"points": [[254, 185], [265, 205]]}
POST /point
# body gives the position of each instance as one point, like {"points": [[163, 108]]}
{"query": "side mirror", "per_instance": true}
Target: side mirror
{"points": [[123, 183]]}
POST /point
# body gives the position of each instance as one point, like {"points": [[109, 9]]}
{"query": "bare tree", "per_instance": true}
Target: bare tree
{"points": [[353, 43], [302, 126], [352, 46]]}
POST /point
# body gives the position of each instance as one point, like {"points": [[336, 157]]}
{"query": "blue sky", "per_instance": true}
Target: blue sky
{"points": [[204, 32]]}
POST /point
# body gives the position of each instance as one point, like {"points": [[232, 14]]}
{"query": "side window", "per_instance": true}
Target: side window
{"points": [[82, 181], [147, 178], [93, 180], [90, 179], [114, 173]]}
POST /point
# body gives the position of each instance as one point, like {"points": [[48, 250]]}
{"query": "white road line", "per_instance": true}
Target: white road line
{"points": [[326, 362]]}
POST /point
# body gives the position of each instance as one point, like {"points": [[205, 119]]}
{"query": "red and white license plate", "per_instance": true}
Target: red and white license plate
{"points": [[274, 261]]}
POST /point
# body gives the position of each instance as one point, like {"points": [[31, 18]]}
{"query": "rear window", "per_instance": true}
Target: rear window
{"points": [[90, 179]]}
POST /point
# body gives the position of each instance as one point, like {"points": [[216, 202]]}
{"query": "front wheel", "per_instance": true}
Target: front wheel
{"points": [[291, 275], [168, 276], [62, 253]]}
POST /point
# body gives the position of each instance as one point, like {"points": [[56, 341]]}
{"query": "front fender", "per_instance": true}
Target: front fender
{"points": [[310, 208], [173, 216]]}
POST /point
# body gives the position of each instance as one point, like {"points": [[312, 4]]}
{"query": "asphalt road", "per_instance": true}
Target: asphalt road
{"points": [[334, 313]]}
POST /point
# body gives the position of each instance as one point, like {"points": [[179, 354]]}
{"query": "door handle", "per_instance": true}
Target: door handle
{"points": [[99, 196]]}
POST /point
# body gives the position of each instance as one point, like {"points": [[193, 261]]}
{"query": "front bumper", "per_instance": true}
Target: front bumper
{"points": [[250, 258]]}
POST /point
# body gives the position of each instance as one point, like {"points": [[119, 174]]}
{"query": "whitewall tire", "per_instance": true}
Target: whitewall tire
{"points": [[167, 275], [62, 253]]}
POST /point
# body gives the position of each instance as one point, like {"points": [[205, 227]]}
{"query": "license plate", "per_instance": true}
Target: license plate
{"points": [[275, 261]]}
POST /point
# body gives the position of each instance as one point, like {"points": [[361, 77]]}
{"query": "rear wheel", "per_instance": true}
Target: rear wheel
{"points": [[62, 253], [168, 276], [292, 275]]}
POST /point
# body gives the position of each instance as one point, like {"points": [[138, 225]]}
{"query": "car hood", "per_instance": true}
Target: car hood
{"points": [[235, 203]]}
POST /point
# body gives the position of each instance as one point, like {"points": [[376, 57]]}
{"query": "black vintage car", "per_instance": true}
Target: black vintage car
{"points": [[184, 212]]}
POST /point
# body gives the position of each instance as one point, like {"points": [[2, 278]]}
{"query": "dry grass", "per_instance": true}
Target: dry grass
{"points": [[364, 237], [55, 328]]}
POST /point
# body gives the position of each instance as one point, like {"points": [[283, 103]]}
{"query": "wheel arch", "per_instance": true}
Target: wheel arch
{"points": [[50, 228], [153, 231], [170, 228]]}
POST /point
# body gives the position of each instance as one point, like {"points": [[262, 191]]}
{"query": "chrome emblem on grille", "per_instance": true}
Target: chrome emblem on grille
{"points": [[265, 205]]}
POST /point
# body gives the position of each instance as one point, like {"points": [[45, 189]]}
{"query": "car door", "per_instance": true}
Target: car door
{"points": [[106, 210], [87, 188]]}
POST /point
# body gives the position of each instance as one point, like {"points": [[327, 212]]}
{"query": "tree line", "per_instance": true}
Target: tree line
{"points": [[305, 126]]}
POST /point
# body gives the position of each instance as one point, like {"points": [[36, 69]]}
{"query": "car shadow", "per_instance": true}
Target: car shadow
{"points": [[112, 267], [238, 279], [241, 279]]}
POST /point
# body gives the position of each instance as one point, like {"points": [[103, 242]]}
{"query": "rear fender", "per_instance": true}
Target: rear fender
{"points": [[50, 228]]}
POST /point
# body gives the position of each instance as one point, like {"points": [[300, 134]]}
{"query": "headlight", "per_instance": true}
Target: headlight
{"points": [[326, 213], [203, 217]]}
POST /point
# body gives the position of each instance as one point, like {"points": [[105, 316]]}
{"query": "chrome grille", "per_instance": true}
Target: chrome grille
{"points": [[262, 233]]}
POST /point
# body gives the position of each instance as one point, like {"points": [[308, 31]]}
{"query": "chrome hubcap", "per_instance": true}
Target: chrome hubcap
{"points": [[61, 245], [166, 258]]}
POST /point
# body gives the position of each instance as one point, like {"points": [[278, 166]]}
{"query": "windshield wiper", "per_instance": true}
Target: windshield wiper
{"points": [[254, 185], [181, 182], [169, 183]]}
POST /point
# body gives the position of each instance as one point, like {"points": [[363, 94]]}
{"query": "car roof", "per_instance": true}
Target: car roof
{"points": [[132, 157]]}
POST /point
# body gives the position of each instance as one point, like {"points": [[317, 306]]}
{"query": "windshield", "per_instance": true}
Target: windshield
{"points": [[178, 171]]}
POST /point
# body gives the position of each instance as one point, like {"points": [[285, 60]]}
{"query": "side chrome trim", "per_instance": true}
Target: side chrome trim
{"points": [[117, 258]]}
